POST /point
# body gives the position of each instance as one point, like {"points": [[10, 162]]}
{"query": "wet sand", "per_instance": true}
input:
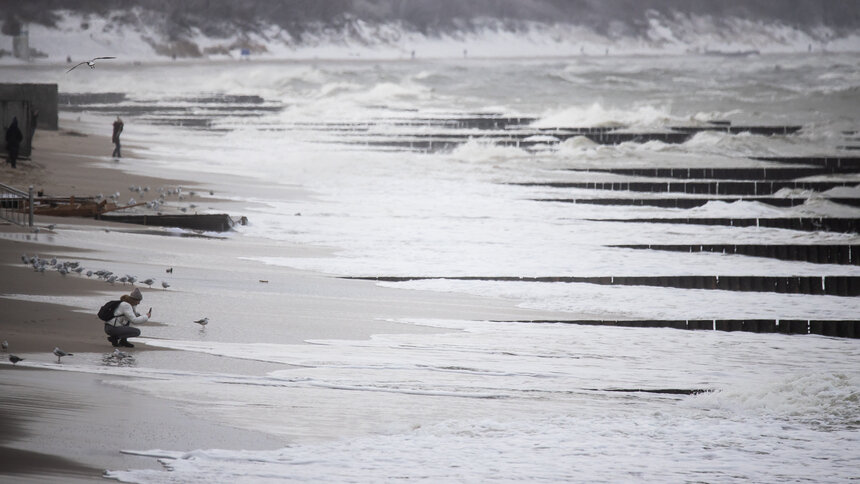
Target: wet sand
{"points": [[66, 426], [61, 426]]}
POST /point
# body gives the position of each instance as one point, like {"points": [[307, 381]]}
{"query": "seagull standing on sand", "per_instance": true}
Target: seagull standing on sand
{"points": [[91, 63], [5, 345], [164, 284], [60, 353], [202, 322], [14, 359], [119, 354]]}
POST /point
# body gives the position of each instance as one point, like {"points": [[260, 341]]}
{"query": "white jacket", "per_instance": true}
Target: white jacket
{"points": [[125, 314]]}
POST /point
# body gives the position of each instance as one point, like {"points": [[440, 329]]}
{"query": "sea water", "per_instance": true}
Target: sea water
{"points": [[503, 401]]}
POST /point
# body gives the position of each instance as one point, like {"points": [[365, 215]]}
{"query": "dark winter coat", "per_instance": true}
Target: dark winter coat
{"points": [[13, 136]]}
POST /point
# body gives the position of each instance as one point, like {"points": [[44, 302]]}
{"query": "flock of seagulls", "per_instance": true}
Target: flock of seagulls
{"points": [[157, 203], [64, 268], [67, 267]]}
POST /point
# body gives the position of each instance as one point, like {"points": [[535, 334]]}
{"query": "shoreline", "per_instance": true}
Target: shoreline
{"points": [[44, 310]]}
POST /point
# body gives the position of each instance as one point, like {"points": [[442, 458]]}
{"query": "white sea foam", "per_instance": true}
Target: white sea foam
{"points": [[598, 115], [541, 408], [493, 401]]}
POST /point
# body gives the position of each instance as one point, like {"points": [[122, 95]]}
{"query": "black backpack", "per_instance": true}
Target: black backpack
{"points": [[106, 312]]}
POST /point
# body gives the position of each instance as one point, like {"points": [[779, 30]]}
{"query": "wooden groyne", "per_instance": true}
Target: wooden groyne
{"points": [[845, 286], [751, 188], [750, 174], [440, 134], [834, 328], [204, 222], [697, 202], [810, 224], [816, 254], [824, 161]]}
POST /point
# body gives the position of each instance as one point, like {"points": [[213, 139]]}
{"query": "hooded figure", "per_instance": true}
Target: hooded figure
{"points": [[119, 330], [13, 141]]}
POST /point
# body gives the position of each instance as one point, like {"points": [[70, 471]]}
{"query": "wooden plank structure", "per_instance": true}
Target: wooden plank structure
{"points": [[834, 328], [220, 222], [846, 286], [99, 209]]}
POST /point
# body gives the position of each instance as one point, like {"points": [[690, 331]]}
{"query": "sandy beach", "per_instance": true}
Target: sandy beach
{"points": [[69, 426]]}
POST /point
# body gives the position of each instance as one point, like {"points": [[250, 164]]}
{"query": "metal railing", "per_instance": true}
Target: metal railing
{"points": [[16, 206]]}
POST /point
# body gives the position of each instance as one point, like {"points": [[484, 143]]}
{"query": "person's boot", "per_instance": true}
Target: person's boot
{"points": [[124, 342], [113, 340]]}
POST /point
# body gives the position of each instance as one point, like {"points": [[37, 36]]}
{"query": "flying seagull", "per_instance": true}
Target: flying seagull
{"points": [[91, 63], [202, 322], [60, 353]]}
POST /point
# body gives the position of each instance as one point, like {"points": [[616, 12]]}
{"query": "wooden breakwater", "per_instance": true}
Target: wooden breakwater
{"points": [[826, 224], [813, 253], [845, 286], [739, 173], [688, 202], [722, 187], [220, 222], [834, 328]]}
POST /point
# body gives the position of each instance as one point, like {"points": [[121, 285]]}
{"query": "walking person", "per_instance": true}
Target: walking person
{"points": [[117, 130], [13, 141], [124, 315]]}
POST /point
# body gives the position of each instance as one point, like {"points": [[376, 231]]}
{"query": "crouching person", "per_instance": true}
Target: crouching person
{"points": [[120, 329]]}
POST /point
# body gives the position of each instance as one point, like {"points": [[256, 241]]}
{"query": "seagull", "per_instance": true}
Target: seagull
{"points": [[91, 63], [5, 345], [202, 322], [14, 359], [149, 282], [164, 284], [119, 354], [169, 270], [60, 353]]}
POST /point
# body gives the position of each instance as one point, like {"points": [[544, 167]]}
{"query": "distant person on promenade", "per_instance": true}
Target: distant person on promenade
{"points": [[117, 130], [125, 314], [33, 123], [13, 141]]}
